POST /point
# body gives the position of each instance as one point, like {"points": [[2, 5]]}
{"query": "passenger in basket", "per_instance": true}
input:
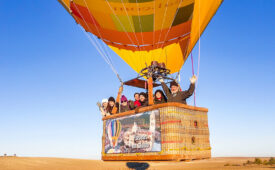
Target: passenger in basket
{"points": [[143, 99], [159, 97], [111, 104], [104, 104], [136, 102], [124, 107], [103, 107], [175, 95]]}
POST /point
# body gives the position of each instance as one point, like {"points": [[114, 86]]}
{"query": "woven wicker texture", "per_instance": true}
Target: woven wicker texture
{"points": [[184, 135]]}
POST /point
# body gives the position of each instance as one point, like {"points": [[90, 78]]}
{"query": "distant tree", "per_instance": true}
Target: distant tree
{"points": [[235, 165], [258, 161], [271, 161], [249, 162]]}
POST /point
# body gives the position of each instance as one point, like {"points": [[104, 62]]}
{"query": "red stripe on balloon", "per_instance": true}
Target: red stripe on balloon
{"points": [[83, 13]]}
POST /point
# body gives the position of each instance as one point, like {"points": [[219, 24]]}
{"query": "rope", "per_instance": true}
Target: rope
{"points": [[164, 17], [193, 73], [142, 40], [166, 35], [121, 24], [88, 28], [129, 21], [171, 24], [192, 64], [199, 56], [124, 29], [101, 54], [93, 20], [97, 45], [101, 37], [162, 24]]}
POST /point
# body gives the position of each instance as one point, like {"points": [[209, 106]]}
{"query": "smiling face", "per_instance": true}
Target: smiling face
{"points": [[174, 89], [158, 95], [111, 103], [141, 98], [124, 103], [136, 96]]}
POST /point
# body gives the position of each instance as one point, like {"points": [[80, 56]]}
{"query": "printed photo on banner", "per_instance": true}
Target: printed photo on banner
{"points": [[134, 134]]}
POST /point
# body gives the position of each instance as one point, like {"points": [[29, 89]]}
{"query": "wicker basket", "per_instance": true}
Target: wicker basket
{"points": [[184, 134]]}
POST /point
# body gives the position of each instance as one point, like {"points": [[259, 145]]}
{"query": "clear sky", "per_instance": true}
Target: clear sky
{"points": [[51, 78]]}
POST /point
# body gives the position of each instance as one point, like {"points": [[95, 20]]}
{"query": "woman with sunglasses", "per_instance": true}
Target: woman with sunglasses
{"points": [[124, 106]]}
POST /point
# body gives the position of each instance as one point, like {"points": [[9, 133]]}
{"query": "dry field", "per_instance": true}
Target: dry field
{"points": [[29, 163]]}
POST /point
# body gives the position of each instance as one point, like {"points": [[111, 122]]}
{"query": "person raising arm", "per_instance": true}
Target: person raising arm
{"points": [[174, 94]]}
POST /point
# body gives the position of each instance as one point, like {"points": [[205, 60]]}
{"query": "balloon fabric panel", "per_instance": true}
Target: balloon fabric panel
{"points": [[141, 31]]}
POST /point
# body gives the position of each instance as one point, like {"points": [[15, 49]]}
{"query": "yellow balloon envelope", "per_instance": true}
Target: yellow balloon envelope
{"points": [[142, 31]]}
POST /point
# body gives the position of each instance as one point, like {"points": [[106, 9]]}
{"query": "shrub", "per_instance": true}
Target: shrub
{"points": [[249, 162], [235, 165], [258, 161], [227, 164], [271, 161]]}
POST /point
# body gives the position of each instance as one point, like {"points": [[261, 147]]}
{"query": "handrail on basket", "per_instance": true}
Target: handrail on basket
{"points": [[156, 106]]}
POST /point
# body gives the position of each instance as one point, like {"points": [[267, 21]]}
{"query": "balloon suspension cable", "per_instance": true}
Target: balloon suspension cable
{"points": [[167, 33], [124, 28], [199, 57], [102, 54], [122, 25], [193, 73], [102, 51]]}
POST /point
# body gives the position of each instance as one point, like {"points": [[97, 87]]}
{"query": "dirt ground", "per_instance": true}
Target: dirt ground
{"points": [[29, 163]]}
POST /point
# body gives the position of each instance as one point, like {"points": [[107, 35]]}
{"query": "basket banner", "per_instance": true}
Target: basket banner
{"points": [[133, 134]]}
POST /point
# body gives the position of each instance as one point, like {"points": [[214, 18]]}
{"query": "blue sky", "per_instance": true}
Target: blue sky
{"points": [[51, 78]]}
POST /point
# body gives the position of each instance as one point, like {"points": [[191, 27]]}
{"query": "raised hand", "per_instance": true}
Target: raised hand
{"points": [[98, 104], [193, 79]]}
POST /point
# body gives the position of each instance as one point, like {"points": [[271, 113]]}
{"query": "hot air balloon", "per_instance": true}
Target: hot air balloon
{"points": [[142, 31], [113, 131], [145, 31], [155, 38]]}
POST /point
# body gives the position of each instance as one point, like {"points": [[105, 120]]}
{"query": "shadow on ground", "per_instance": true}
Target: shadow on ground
{"points": [[137, 165]]}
